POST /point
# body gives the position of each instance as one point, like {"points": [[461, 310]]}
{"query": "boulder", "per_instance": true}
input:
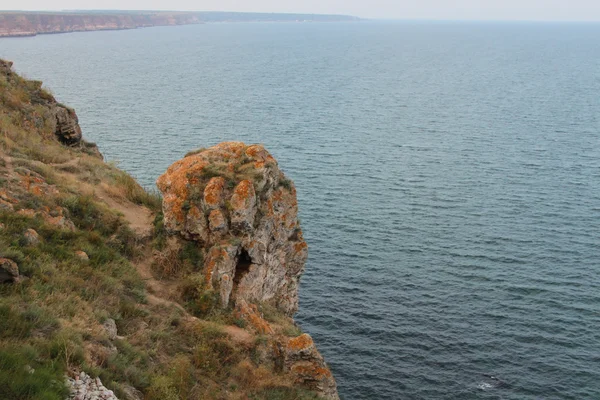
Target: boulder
{"points": [[110, 327], [82, 255], [67, 128], [9, 271], [31, 237]]}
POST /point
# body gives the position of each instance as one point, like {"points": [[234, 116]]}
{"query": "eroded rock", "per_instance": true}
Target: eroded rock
{"points": [[301, 357], [235, 201], [67, 128]]}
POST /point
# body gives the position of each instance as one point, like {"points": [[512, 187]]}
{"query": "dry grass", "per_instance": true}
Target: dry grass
{"points": [[52, 320]]}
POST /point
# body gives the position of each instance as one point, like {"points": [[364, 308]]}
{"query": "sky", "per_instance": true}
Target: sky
{"points": [[530, 10]]}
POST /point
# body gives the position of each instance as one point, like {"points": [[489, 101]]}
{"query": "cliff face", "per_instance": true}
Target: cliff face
{"points": [[30, 24], [123, 295], [33, 23]]}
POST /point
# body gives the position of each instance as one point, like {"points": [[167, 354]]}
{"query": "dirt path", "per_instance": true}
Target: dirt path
{"points": [[159, 292], [139, 217]]}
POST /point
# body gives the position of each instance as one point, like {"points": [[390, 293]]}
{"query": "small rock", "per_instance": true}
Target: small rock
{"points": [[132, 393], [9, 271], [32, 238], [111, 328], [82, 255]]}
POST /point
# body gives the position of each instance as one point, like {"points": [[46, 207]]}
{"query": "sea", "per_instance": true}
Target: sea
{"points": [[448, 179]]}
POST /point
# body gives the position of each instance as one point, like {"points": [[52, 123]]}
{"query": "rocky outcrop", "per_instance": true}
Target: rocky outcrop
{"points": [[235, 202], [59, 119], [301, 357], [67, 128], [84, 387]]}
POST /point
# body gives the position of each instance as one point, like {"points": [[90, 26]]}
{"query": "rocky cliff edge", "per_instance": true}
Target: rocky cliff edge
{"points": [[108, 291]]}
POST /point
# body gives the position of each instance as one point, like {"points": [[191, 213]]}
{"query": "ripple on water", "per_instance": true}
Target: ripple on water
{"points": [[447, 175]]}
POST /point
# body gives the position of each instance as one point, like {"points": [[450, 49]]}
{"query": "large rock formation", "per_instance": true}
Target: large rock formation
{"points": [[61, 120], [234, 201]]}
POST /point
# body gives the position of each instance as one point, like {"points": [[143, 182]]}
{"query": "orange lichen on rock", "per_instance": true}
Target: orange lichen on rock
{"points": [[243, 191], [300, 246], [301, 342], [27, 212], [213, 193], [310, 371], [216, 221], [174, 184], [215, 254], [250, 314]]}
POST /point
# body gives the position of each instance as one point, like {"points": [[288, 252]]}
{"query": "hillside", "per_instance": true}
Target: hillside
{"points": [[109, 292], [14, 24]]}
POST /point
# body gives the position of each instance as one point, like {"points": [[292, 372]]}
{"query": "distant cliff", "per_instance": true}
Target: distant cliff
{"points": [[15, 24]]}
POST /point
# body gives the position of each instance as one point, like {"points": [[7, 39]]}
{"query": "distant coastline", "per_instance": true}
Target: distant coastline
{"points": [[23, 24]]}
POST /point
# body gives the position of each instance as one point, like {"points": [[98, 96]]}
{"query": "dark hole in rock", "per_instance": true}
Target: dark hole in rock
{"points": [[241, 269]]}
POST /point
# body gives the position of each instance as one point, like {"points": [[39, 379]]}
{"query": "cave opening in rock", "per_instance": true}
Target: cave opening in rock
{"points": [[241, 269]]}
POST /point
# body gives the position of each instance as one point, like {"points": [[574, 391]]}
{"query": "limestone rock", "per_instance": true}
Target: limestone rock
{"points": [[243, 206], [235, 201], [110, 327], [216, 221], [132, 393], [301, 357], [9, 271], [32, 238], [67, 129], [250, 314], [84, 387]]}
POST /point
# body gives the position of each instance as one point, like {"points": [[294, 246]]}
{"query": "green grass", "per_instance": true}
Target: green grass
{"points": [[50, 321], [24, 377]]}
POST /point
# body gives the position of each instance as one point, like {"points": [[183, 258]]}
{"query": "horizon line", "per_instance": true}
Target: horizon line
{"points": [[382, 19]]}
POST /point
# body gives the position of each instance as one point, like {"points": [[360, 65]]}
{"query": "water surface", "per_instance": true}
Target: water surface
{"points": [[448, 178]]}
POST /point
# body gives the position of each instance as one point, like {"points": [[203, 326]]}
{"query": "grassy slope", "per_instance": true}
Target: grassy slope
{"points": [[173, 342]]}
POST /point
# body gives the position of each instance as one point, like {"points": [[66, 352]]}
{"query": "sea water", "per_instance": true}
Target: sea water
{"points": [[448, 178]]}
